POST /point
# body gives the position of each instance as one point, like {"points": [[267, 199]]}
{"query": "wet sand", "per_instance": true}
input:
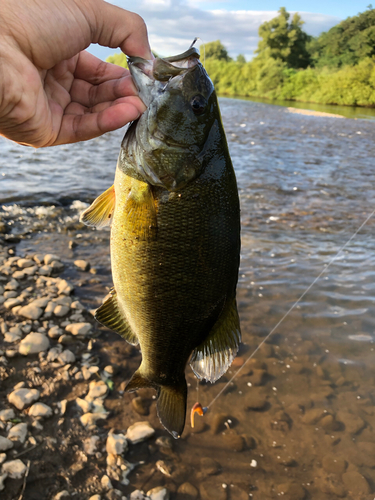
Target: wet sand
{"points": [[309, 112]]}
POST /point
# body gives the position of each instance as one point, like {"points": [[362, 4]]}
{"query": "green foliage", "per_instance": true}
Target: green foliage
{"points": [[349, 42], [215, 50], [119, 59], [283, 40]]}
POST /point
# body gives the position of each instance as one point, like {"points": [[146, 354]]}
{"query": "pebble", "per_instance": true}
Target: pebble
{"points": [[140, 406], [312, 417], [90, 445], [40, 410], [2, 480], [212, 490], [18, 432], [96, 390], [50, 257], [54, 353], [356, 483], [11, 337], [61, 495], [116, 444], [84, 405], [65, 288], [95, 497], [292, 491], [82, 264], [334, 464], [66, 357], [233, 441], [12, 285], [5, 444], [61, 311], [45, 270], [6, 415], [353, 423], [89, 419], [39, 258], [31, 311], [187, 491], [55, 332], [33, 343], [10, 303], [137, 495], [209, 466], [106, 483], [140, 431], [79, 328], [218, 421], [14, 469], [42, 302], [158, 493], [22, 398], [10, 295]]}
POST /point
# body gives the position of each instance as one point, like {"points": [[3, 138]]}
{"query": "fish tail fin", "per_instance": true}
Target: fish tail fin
{"points": [[138, 381], [171, 406]]}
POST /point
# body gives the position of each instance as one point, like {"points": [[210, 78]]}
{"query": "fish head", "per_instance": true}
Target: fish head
{"points": [[181, 109]]}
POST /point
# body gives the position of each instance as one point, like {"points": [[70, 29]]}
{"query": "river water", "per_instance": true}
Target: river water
{"points": [[298, 420]]}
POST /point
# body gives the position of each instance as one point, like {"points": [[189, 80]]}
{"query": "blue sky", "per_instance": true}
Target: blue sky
{"points": [[173, 24]]}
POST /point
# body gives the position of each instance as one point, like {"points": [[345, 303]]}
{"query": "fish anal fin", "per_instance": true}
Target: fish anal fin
{"points": [[109, 315], [212, 358], [99, 213], [140, 211], [171, 408]]}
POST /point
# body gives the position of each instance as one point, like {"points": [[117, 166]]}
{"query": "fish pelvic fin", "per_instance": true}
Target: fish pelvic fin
{"points": [[99, 213], [212, 358], [171, 407], [138, 381], [109, 315]]}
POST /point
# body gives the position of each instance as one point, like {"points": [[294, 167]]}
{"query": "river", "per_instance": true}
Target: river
{"points": [[304, 406]]}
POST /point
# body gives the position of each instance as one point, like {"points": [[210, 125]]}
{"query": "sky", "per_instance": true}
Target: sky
{"points": [[173, 24]]}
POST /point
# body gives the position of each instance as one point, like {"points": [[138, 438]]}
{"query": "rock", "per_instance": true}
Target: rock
{"points": [[10, 303], [233, 441], [14, 469], [61, 311], [5, 444], [256, 402], [55, 332], [40, 410], [61, 495], [84, 405], [116, 444], [292, 491], [89, 445], [45, 270], [2, 480], [82, 264], [217, 424], [18, 433], [209, 466], [42, 302], [6, 415], [140, 406], [12, 285], [312, 417], [353, 423], [212, 490], [66, 357], [329, 423], [158, 493], [77, 305], [137, 495], [334, 464], [106, 483], [22, 398], [54, 353], [57, 266], [11, 337], [140, 431], [89, 419], [97, 390], [258, 377], [65, 288], [187, 491], [95, 497], [356, 483], [79, 328], [50, 257], [38, 258], [33, 343], [31, 311]]}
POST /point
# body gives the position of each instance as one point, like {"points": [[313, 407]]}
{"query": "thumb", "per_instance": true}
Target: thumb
{"points": [[116, 27]]}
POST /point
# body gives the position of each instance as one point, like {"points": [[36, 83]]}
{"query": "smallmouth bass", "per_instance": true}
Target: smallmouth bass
{"points": [[175, 235]]}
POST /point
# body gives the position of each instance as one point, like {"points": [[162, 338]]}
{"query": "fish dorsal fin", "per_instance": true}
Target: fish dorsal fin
{"points": [[110, 316], [99, 213], [211, 359]]}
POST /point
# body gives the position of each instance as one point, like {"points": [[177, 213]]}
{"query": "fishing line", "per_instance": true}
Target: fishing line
{"points": [[325, 268]]}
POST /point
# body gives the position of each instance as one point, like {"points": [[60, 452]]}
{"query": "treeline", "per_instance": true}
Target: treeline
{"points": [[338, 67]]}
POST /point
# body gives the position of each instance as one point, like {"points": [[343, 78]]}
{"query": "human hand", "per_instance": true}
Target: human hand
{"points": [[51, 90]]}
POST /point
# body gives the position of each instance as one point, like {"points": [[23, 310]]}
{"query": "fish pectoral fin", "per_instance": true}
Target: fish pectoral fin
{"points": [[99, 213], [141, 211], [109, 315], [212, 358], [171, 408]]}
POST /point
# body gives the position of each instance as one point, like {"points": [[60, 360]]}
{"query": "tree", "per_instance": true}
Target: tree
{"points": [[241, 59], [284, 40], [215, 50]]}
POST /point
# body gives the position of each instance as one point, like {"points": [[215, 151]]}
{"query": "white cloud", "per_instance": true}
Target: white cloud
{"points": [[173, 24]]}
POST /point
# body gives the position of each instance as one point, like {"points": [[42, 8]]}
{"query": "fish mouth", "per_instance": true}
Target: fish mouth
{"points": [[153, 75]]}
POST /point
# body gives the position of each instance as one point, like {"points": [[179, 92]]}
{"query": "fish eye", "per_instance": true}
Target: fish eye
{"points": [[198, 104]]}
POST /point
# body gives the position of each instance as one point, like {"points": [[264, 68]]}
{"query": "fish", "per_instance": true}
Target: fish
{"points": [[174, 215]]}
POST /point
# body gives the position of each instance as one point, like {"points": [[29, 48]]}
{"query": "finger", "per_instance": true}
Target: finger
{"points": [[75, 108], [90, 95], [116, 27], [96, 71], [75, 128]]}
